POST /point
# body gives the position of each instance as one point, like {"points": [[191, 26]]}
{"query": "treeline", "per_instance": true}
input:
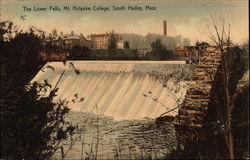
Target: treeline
{"points": [[136, 47], [157, 52], [170, 42], [84, 53]]}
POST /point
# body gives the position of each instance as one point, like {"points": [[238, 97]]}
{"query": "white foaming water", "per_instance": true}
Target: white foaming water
{"points": [[120, 89]]}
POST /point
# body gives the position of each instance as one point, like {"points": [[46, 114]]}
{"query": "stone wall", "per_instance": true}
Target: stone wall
{"points": [[193, 109]]}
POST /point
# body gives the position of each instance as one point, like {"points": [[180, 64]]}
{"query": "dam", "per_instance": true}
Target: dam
{"points": [[123, 90], [125, 97]]}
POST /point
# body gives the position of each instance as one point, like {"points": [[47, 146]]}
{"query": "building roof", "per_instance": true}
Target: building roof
{"points": [[101, 35], [66, 37]]}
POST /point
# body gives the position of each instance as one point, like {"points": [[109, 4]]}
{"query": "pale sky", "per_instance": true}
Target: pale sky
{"points": [[188, 18]]}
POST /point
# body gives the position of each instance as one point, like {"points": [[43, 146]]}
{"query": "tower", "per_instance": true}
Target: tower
{"points": [[165, 27]]}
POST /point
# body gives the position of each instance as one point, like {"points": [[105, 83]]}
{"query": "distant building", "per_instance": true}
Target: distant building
{"points": [[101, 41], [185, 51], [193, 53], [80, 40], [120, 44], [143, 51], [53, 56], [93, 41], [68, 41]]}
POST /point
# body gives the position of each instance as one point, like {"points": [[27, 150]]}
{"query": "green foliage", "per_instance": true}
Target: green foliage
{"points": [[240, 119], [245, 56], [159, 51], [186, 42], [79, 52], [112, 43], [138, 41], [126, 45], [157, 48], [49, 48], [115, 54], [32, 126]]}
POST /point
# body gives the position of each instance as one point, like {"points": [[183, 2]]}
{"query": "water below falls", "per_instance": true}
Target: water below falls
{"points": [[125, 139]]}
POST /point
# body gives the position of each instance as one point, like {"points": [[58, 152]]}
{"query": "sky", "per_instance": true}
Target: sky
{"points": [[189, 18]]}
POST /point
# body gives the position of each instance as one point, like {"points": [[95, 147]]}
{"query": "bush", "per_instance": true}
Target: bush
{"points": [[114, 54], [32, 127], [79, 52]]}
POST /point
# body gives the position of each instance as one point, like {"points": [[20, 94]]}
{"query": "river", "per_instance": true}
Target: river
{"points": [[116, 119]]}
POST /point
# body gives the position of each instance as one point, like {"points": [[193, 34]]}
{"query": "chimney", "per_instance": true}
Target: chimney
{"points": [[165, 27]]}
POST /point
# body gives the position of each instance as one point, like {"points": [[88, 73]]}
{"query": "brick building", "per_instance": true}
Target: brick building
{"points": [[101, 41], [53, 56], [185, 51]]}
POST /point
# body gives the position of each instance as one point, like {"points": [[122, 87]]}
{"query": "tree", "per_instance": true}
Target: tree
{"points": [[112, 43], [245, 57], [32, 126], [80, 52], [221, 40], [220, 112], [200, 47], [186, 42], [126, 45], [159, 50], [157, 47]]}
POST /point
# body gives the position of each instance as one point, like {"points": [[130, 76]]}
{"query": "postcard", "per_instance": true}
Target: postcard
{"points": [[126, 79]]}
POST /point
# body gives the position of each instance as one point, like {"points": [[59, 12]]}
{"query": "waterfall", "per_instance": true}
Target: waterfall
{"points": [[124, 90]]}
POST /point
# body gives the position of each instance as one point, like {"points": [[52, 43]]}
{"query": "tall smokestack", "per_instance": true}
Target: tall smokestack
{"points": [[165, 27]]}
